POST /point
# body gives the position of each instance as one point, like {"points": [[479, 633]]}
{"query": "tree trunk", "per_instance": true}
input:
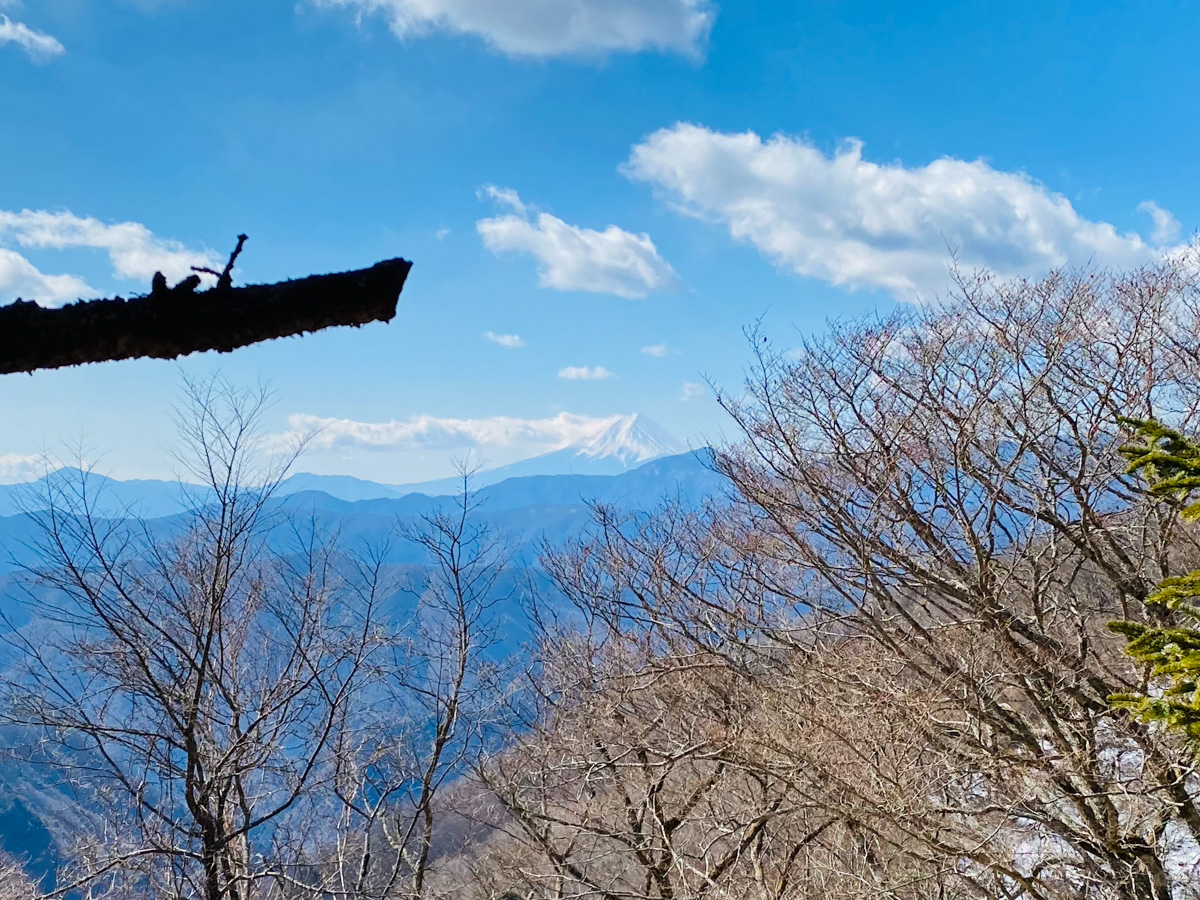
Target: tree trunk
{"points": [[169, 323]]}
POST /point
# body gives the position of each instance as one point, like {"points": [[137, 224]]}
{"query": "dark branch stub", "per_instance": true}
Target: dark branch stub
{"points": [[225, 279], [172, 322]]}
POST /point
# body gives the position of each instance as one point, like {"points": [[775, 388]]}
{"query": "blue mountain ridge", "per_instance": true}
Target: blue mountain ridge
{"points": [[528, 509]]}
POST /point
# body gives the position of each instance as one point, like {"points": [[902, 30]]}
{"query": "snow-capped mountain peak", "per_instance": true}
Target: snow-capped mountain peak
{"points": [[616, 445], [619, 444], [631, 439]]}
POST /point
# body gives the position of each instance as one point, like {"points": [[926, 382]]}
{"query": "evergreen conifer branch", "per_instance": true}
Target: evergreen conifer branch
{"points": [[1170, 464]]}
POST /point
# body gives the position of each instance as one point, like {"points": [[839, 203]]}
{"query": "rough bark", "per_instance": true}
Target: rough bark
{"points": [[169, 323]]}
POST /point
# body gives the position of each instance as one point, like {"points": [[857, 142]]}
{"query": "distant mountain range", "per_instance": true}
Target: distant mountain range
{"points": [[623, 444], [529, 510]]}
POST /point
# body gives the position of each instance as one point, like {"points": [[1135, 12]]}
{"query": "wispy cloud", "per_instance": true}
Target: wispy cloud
{"points": [[502, 196], [432, 432], [570, 258], [37, 45], [1166, 226], [692, 390], [551, 27], [507, 341], [843, 219], [658, 351], [585, 373]]}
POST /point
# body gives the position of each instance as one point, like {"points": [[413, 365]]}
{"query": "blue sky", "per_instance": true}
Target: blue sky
{"points": [[597, 177]]}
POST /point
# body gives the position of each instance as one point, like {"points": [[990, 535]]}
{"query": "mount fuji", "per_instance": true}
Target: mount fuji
{"points": [[621, 443]]}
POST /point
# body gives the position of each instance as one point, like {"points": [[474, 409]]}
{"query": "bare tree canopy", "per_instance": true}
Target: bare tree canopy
{"points": [[205, 674], [172, 322], [885, 670], [247, 707]]}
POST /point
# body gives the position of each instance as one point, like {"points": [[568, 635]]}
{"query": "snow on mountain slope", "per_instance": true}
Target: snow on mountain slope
{"points": [[630, 439], [623, 443]]}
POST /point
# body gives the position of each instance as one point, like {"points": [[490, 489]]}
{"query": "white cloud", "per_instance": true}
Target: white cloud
{"points": [[431, 432], [692, 391], [848, 221], [20, 278], [551, 27], [134, 250], [18, 469], [503, 197], [658, 351], [36, 44], [442, 233], [507, 341], [585, 373], [613, 261], [1166, 226]]}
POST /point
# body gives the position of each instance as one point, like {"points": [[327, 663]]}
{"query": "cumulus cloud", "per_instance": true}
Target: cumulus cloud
{"points": [[133, 250], [18, 469], [585, 373], [691, 390], [658, 351], [37, 45], [843, 219], [20, 278], [507, 341], [425, 431], [613, 261], [542, 28]]}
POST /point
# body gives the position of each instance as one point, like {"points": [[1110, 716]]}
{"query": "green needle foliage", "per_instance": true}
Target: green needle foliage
{"points": [[1170, 463]]}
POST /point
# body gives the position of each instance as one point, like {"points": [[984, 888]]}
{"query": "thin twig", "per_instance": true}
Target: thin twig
{"points": [[225, 279]]}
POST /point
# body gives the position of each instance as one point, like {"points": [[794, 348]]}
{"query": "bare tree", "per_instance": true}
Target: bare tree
{"points": [[432, 706], [195, 678], [15, 884], [653, 762], [950, 477], [933, 528], [629, 786]]}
